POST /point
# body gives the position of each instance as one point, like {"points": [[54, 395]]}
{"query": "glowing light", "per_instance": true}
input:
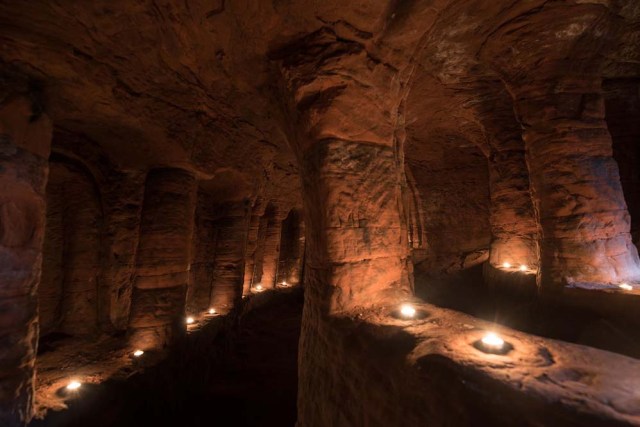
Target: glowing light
{"points": [[73, 385], [259, 288], [407, 310], [523, 267], [625, 286], [190, 320], [284, 284], [491, 341], [506, 264], [138, 353], [212, 311]]}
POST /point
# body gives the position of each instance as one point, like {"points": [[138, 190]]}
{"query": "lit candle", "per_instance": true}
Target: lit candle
{"points": [[259, 288], [138, 353], [523, 267], [492, 342], [407, 310], [190, 320], [73, 385], [506, 264], [284, 284], [212, 311], [626, 286]]}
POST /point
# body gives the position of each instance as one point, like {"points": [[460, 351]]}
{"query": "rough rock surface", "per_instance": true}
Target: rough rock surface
{"points": [[437, 136], [228, 267], [25, 135], [411, 372], [162, 270]]}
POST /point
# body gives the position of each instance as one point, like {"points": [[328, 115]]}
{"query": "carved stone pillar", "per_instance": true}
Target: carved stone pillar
{"points": [[25, 141], [347, 106], [228, 269], [162, 267]]}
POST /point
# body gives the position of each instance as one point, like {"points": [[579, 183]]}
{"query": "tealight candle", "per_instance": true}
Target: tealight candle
{"points": [[138, 353], [506, 264], [407, 310], [73, 385], [259, 288], [523, 267], [492, 342], [625, 286], [212, 311], [190, 320]]}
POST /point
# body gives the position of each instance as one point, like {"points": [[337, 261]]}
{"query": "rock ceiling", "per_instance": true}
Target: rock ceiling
{"points": [[191, 83]]}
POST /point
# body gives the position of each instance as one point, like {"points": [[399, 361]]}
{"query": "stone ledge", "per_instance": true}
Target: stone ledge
{"points": [[434, 360]]}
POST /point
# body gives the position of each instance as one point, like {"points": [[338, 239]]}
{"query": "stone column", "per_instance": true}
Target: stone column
{"points": [[271, 251], [583, 215], [622, 102], [514, 226], [25, 141], [252, 246], [228, 269], [123, 205], [584, 222], [204, 247], [72, 256], [163, 257], [347, 108], [258, 258], [291, 249], [50, 287], [83, 233]]}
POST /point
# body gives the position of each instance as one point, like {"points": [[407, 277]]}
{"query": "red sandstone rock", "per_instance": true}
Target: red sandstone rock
{"points": [[163, 258], [25, 135], [436, 133]]}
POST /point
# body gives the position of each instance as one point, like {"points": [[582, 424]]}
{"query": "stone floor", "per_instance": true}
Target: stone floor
{"points": [[241, 370]]}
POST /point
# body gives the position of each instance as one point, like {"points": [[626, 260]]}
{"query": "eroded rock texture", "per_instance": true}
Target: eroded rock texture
{"points": [[291, 250], [163, 259], [270, 248], [357, 245], [205, 237], [68, 295], [228, 266], [253, 232], [622, 113], [25, 138], [583, 215], [205, 151]]}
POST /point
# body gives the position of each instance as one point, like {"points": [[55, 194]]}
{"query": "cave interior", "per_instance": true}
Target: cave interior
{"points": [[320, 213]]}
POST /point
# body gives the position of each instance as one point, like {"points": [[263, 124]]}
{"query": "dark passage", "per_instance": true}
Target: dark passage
{"points": [[232, 372]]}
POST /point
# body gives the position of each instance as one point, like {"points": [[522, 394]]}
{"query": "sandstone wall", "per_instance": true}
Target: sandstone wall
{"points": [[622, 114], [228, 267], [372, 369], [204, 254], [163, 257], [25, 140], [574, 178], [73, 257], [291, 250]]}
